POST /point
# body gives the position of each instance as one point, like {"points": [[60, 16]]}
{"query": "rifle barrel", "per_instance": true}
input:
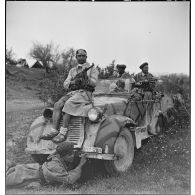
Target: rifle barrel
{"points": [[86, 69]]}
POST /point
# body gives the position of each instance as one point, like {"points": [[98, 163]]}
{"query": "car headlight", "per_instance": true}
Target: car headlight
{"points": [[94, 114]]}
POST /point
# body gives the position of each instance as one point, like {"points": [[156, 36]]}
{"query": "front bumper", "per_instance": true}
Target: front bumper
{"points": [[92, 155]]}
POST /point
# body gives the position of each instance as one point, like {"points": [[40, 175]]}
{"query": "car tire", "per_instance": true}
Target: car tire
{"points": [[39, 158], [124, 149]]}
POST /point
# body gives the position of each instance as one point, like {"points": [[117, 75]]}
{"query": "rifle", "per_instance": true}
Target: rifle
{"points": [[149, 80], [148, 84], [81, 80], [83, 73]]}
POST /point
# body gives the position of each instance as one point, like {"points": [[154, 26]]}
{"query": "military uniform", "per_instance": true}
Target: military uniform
{"points": [[55, 170], [141, 76], [146, 88]]}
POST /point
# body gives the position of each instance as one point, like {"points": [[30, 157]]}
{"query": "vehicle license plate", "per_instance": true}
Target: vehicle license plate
{"points": [[93, 149]]}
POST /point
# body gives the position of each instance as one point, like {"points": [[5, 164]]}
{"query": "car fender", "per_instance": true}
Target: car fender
{"points": [[110, 129], [34, 144]]}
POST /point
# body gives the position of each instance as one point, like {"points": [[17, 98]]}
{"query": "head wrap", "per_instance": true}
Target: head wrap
{"points": [[81, 51]]}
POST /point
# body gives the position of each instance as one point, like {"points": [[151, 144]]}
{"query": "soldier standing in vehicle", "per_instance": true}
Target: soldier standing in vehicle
{"points": [[76, 102], [54, 171], [144, 74], [145, 81]]}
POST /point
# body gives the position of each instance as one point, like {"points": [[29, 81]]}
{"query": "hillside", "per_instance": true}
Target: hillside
{"points": [[22, 83], [22, 86]]}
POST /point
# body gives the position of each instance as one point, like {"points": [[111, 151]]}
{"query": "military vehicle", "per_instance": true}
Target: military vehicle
{"points": [[116, 125]]}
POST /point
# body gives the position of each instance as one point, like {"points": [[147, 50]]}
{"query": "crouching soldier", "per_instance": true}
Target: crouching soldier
{"points": [[55, 170]]}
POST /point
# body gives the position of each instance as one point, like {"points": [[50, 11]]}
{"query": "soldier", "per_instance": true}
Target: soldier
{"points": [[144, 74], [145, 81], [76, 102], [120, 70], [119, 86], [53, 171], [123, 84]]}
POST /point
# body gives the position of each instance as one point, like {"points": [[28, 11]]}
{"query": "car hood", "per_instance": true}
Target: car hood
{"points": [[114, 105]]}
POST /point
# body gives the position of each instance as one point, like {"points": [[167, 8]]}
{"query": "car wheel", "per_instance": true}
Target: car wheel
{"points": [[39, 158], [124, 150]]}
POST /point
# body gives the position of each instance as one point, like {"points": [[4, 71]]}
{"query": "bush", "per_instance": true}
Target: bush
{"points": [[174, 83], [51, 86]]}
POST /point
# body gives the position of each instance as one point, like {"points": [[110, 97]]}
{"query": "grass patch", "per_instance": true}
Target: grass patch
{"points": [[17, 128]]}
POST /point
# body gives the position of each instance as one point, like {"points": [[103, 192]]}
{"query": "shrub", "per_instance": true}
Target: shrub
{"points": [[51, 86], [174, 83]]}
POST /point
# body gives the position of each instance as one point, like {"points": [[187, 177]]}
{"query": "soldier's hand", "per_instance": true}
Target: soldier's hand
{"points": [[78, 81], [51, 155]]}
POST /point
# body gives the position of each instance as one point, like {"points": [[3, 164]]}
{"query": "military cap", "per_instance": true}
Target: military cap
{"points": [[120, 66], [65, 148], [144, 64]]}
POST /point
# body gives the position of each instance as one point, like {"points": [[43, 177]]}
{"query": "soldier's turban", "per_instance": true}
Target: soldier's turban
{"points": [[81, 51]]}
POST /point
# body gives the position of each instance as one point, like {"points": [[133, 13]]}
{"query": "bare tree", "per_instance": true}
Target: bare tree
{"points": [[110, 68], [68, 57], [45, 53]]}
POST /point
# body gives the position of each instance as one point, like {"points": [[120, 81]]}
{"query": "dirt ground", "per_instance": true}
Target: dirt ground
{"points": [[161, 166], [23, 104]]}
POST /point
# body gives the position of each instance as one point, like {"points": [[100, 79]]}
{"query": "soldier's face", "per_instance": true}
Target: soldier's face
{"points": [[145, 69], [81, 57], [121, 71]]}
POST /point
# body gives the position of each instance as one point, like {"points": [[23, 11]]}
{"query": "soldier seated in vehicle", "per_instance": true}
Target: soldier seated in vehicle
{"points": [[54, 171], [124, 78], [118, 87], [78, 100], [145, 81]]}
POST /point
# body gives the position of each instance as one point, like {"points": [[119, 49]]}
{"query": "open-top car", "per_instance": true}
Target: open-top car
{"points": [[116, 125]]}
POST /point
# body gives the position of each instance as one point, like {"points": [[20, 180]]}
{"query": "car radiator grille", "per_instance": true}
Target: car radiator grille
{"points": [[75, 130]]}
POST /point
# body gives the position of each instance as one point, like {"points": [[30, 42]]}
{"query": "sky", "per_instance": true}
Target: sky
{"points": [[129, 32]]}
